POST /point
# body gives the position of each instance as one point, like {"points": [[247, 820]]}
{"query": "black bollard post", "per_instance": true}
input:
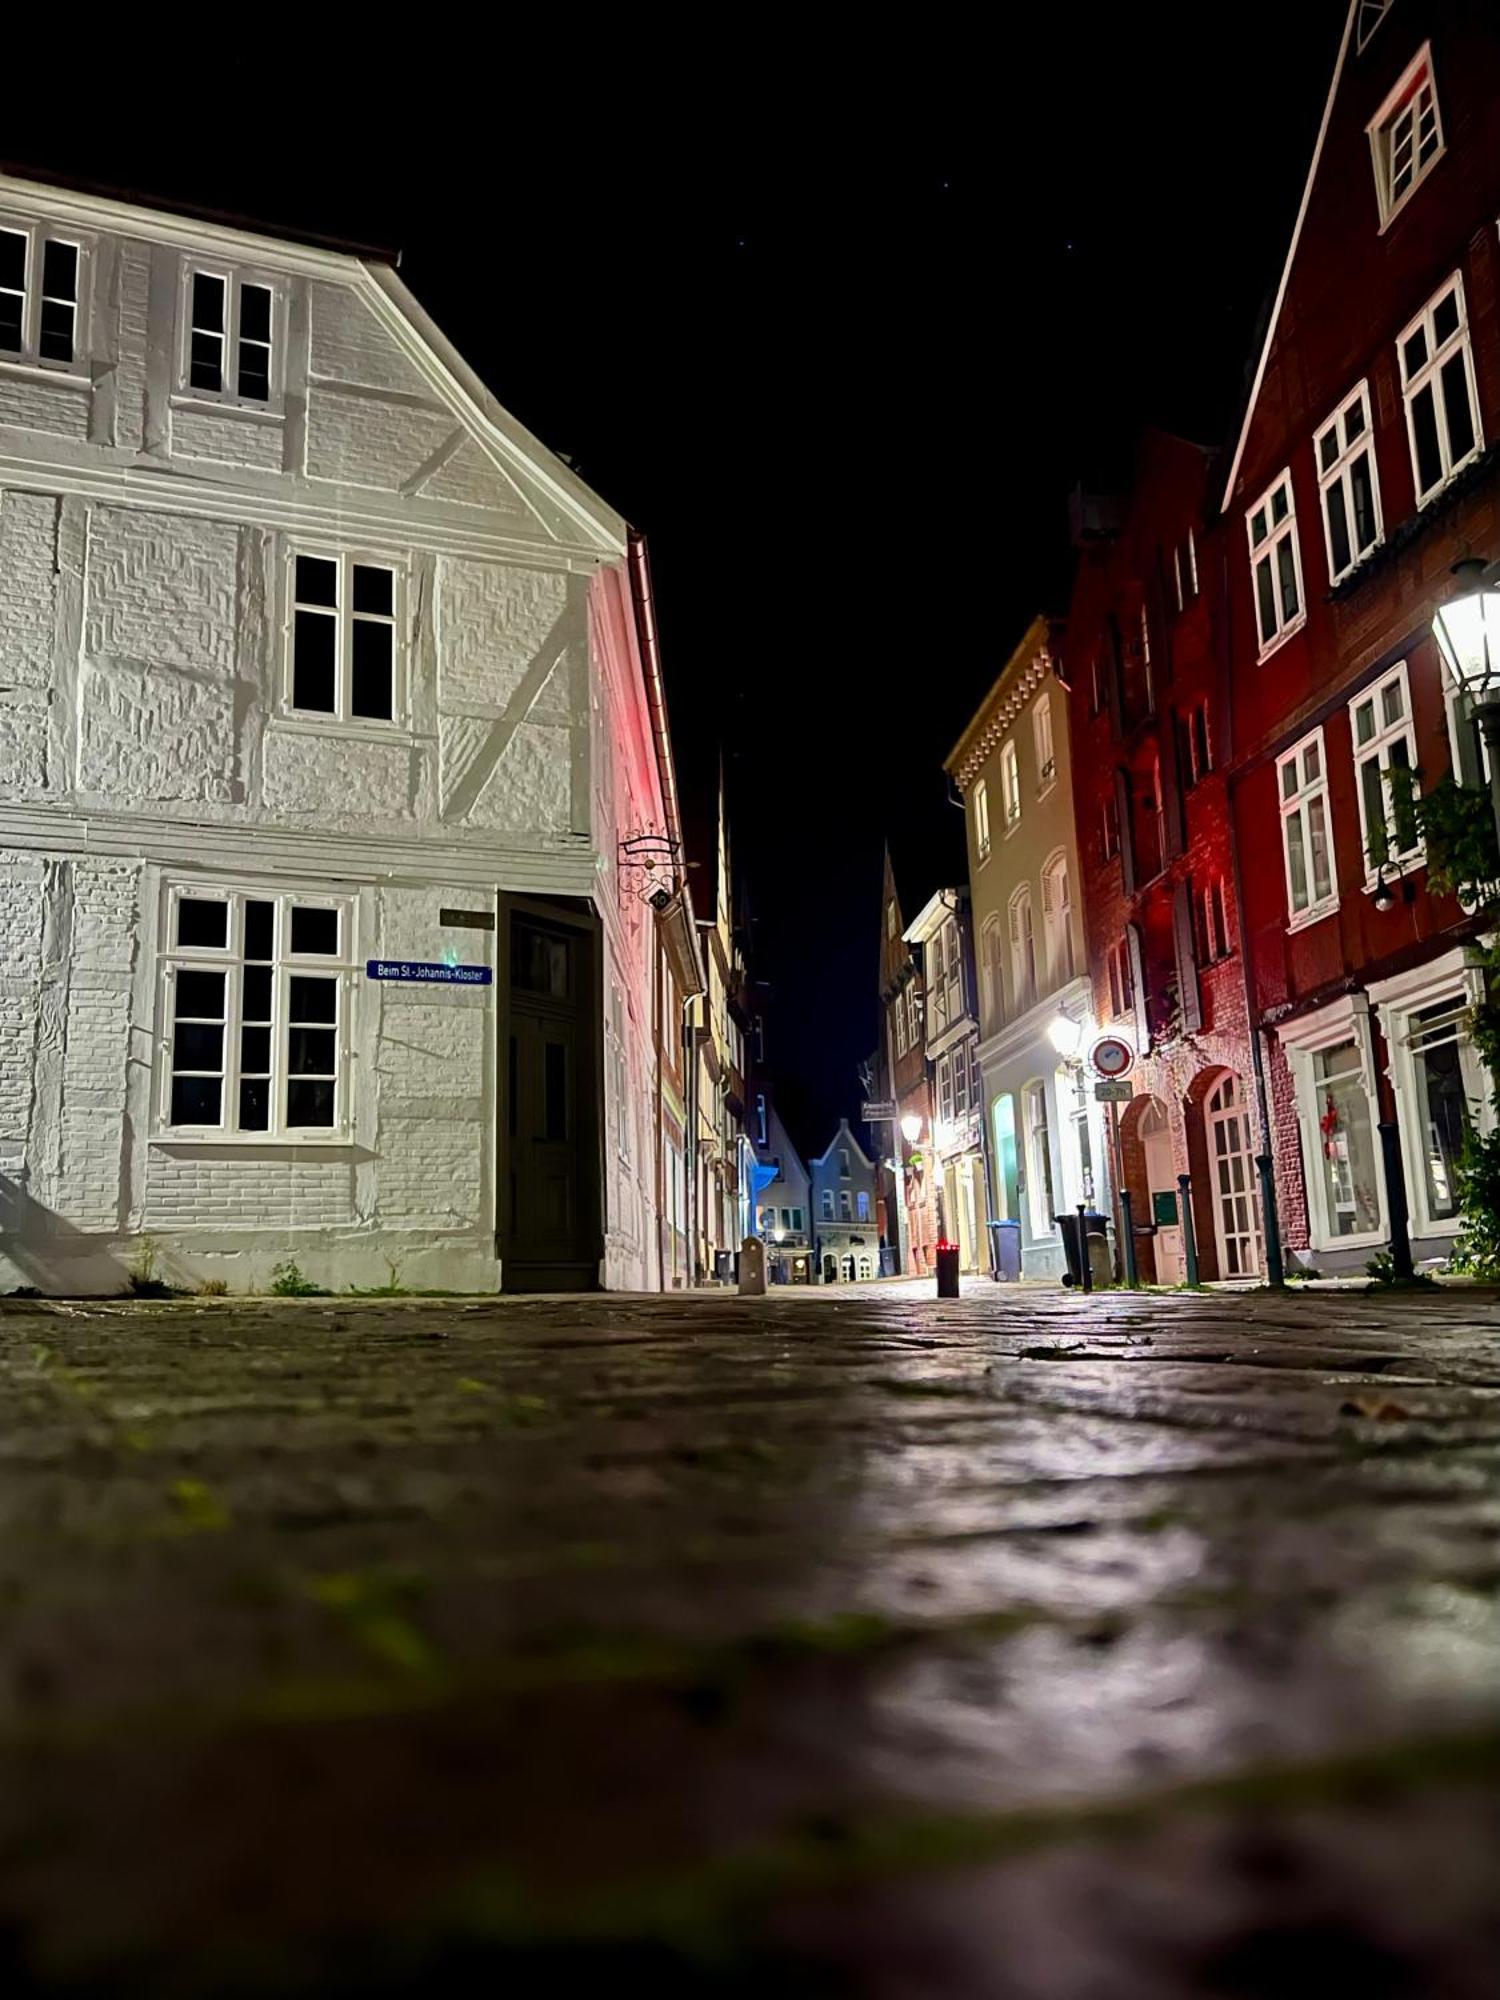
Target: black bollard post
{"points": [[1275, 1268], [1395, 1189], [1189, 1234], [1127, 1240], [1085, 1266]]}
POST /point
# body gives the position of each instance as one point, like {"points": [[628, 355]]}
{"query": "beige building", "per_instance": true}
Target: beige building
{"points": [[1043, 1126]]}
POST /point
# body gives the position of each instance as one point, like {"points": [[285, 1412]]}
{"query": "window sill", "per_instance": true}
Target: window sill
{"points": [[239, 406], [300, 722], [1367, 1239], [1391, 215], [1347, 578], [240, 1142], [1305, 919], [1013, 828], [1435, 493], [32, 368], [1044, 790], [1286, 632]]}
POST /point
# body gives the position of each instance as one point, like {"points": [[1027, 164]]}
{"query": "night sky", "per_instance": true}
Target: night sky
{"points": [[836, 325]]}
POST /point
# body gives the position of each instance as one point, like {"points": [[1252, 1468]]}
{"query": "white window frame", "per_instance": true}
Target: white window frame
{"points": [[1428, 376], [1339, 474], [981, 798], [1022, 948], [1466, 745], [1347, 1019], [1010, 786], [825, 1202], [38, 232], [1377, 751], [1109, 827], [1267, 548], [1215, 920], [1039, 1171], [1057, 919], [1397, 1001], [345, 617], [1403, 104], [285, 964], [1297, 804], [234, 277], [992, 972], [1046, 755]]}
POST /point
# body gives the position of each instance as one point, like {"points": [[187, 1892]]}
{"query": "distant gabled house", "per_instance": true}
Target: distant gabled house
{"points": [[783, 1203], [846, 1237], [327, 711], [943, 933]]}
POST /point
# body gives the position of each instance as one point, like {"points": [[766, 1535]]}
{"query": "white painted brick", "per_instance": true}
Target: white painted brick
{"points": [[134, 332], [23, 746], [230, 437], [146, 733], [61, 408], [348, 344], [247, 1190], [430, 1171], [364, 441], [430, 1048], [336, 779], [28, 588], [161, 589], [492, 620], [531, 788], [106, 914]]}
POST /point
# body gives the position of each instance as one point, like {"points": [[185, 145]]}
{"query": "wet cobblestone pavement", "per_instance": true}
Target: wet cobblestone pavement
{"points": [[843, 1643]]}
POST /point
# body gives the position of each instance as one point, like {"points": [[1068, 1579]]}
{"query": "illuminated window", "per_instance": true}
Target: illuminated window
{"points": [[1275, 565], [1022, 951], [1010, 785], [1406, 136], [1348, 484], [1041, 730], [982, 820], [1437, 383]]}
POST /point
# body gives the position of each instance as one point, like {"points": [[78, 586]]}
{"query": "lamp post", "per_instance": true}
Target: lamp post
{"points": [[1467, 630]]}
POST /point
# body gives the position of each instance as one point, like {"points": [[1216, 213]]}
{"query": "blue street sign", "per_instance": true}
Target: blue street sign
{"points": [[407, 971]]}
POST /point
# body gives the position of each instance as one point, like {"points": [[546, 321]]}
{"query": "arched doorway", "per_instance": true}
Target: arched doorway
{"points": [[846, 1270], [1161, 1180], [1231, 1162], [830, 1271]]}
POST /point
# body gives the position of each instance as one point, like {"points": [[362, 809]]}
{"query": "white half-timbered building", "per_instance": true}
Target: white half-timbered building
{"points": [[324, 712]]}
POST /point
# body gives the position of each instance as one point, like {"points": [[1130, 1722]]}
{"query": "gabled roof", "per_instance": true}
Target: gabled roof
{"points": [[1034, 655], [842, 1137], [1274, 318], [934, 913]]}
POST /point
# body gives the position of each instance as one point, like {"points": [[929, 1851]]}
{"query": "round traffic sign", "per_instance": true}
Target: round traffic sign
{"points": [[1111, 1056]]}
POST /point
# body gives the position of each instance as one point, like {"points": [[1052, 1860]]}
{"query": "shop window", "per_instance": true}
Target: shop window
{"points": [[1346, 1159]]}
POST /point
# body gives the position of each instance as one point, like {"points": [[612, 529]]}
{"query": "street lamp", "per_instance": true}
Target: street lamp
{"points": [[1467, 630], [1066, 1035], [911, 1128]]}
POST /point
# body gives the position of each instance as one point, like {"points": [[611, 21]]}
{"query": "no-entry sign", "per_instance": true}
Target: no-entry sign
{"points": [[1111, 1056]]}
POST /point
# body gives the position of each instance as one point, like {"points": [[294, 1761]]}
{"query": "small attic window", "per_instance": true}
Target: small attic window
{"points": [[230, 349], [1406, 136]]}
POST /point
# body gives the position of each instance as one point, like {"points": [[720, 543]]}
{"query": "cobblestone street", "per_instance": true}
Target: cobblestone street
{"points": [[844, 1642]]}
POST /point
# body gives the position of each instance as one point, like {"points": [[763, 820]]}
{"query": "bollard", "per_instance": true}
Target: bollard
{"points": [[947, 1270], [1085, 1267], [752, 1268], [1127, 1240], [1189, 1234], [1395, 1194]]}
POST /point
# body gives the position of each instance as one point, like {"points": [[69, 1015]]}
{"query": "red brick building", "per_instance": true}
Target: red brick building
{"points": [[1365, 467], [1144, 660]]}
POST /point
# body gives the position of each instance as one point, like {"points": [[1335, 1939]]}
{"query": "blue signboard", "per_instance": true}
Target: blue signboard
{"points": [[408, 971]]}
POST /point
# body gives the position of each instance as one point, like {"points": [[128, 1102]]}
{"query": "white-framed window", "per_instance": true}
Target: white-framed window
{"points": [[1010, 785], [231, 337], [1466, 744], [1348, 484], [1038, 1159], [846, 1205], [1185, 570], [843, 1165], [862, 1205], [792, 1218], [1406, 135], [255, 989], [1331, 1057], [1041, 730], [1306, 830], [1022, 950], [1383, 740], [1442, 1097], [1275, 563], [41, 294], [344, 660], [1439, 389], [826, 1201], [981, 820], [1057, 919], [1215, 921], [1121, 985], [1109, 826], [993, 971], [945, 1088]]}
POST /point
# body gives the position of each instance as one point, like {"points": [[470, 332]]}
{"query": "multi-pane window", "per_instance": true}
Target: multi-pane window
{"points": [[1121, 985], [230, 336], [1215, 924], [1275, 564], [1350, 1189], [1041, 732], [1381, 725], [862, 1205], [1022, 951], [945, 1088], [1348, 484], [1010, 785], [343, 638], [1185, 570], [1406, 136], [1109, 826], [1057, 920], [39, 278], [994, 975], [254, 1005], [1306, 833], [846, 1205], [981, 822], [1038, 1160], [1437, 382], [1197, 758], [827, 1204]]}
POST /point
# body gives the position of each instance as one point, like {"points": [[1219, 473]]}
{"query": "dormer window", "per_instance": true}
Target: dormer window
{"points": [[39, 294], [1406, 136], [230, 345]]}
